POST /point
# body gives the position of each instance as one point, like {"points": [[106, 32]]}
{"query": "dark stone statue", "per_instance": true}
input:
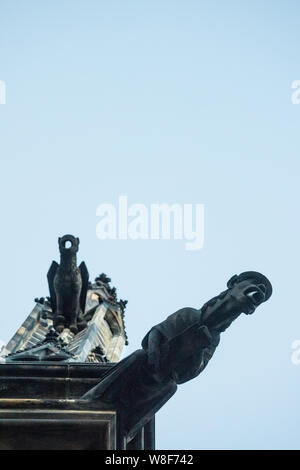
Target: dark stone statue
{"points": [[175, 351], [68, 285], [181, 346]]}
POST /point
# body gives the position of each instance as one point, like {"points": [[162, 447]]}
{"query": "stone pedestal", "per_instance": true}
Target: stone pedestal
{"points": [[40, 408], [40, 425]]}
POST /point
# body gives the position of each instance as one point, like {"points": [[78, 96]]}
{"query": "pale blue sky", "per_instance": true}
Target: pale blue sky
{"points": [[175, 102]]}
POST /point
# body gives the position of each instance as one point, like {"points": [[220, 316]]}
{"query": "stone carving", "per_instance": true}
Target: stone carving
{"points": [[52, 348], [181, 346], [68, 285], [175, 351], [103, 279]]}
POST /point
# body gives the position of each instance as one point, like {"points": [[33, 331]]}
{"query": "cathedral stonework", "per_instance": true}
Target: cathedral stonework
{"points": [[63, 385]]}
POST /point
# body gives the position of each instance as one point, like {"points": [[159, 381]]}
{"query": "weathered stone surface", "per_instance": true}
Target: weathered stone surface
{"points": [[87, 317], [43, 426], [44, 380], [40, 407]]}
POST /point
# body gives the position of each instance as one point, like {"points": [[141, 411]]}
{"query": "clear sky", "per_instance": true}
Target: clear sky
{"points": [[164, 102]]}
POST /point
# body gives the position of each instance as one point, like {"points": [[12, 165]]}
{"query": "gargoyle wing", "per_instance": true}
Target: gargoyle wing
{"points": [[85, 285], [50, 276]]}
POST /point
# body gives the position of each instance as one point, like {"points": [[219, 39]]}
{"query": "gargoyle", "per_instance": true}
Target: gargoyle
{"points": [[176, 351], [181, 346], [68, 285]]}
